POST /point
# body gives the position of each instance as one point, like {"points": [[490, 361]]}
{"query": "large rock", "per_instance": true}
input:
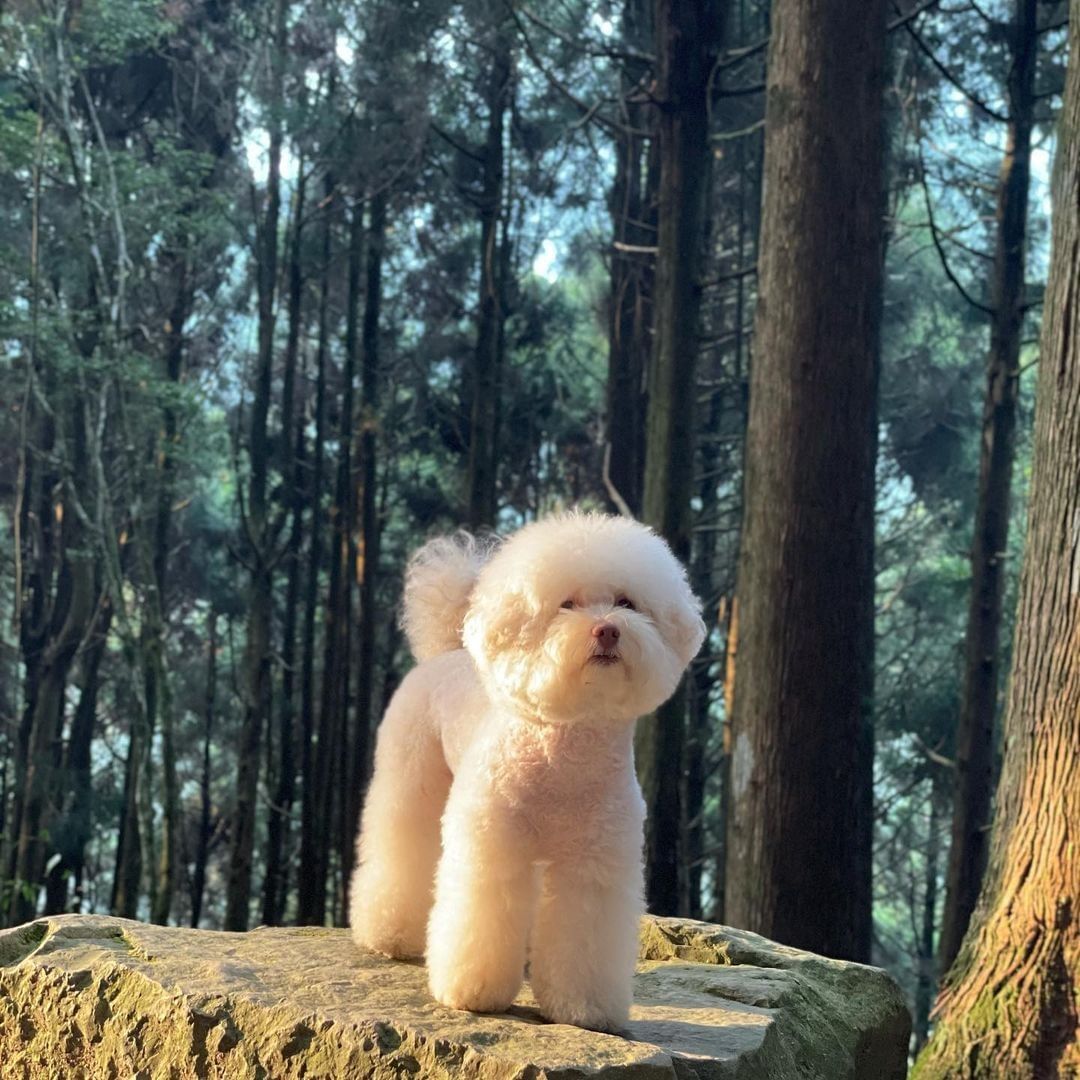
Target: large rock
{"points": [[92, 996]]}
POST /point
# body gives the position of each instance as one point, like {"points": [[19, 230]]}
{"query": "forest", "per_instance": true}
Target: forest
{"points": [[288, 287]]}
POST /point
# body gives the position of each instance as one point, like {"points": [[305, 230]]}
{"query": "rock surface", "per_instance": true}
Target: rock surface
{"points": [[92, 996]]}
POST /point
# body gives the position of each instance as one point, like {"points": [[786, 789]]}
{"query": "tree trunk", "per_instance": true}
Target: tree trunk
{"points": [[334, 701], [72, 610], [1009, 1008], [202, 847], [39, 555], [127, 880], [687, 38], [633, 213], [926, 980], [486, 358], [310, 887], [369, 519], [701, 683], [158, 688], [974, 783], [275, 883], [800, 800], [259, 652], [73, 832], [339, 776]]}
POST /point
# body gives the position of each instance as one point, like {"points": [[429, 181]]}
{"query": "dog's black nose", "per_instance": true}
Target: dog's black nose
{"points": [[606, 633]]}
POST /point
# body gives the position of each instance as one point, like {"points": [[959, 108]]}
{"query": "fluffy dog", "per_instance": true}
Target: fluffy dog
{"points": [[504, 816]]}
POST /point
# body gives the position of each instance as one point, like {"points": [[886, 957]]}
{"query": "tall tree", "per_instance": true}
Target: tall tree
{"points": [[978, 709], [370, 529], [73, 832], [485, 375], [326, 825], [259, 655], [799, 825], [1009, 1007], [334, 729], [202, 840], [687, 39], [311, 887], [293, 442], [633, 213], [55, 621]]}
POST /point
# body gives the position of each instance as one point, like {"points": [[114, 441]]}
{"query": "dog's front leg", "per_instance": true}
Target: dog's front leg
{"points": [[484, 900], [585, 940]]}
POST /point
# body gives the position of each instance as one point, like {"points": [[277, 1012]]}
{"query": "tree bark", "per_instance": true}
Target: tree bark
{"points": [[1009, 1008], [974, 784], [484, 380], [369, 518], [633, 213], [158, 688], [73, 832], [310, 887], [202, 846], [127, 879], [334, 700], [925, 975], [69, 617], [259, 651], [275, 882], [800, 800], [687, 38], [695, 761], [39, 554]]}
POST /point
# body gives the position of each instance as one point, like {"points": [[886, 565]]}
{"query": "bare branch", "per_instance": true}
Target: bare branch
{"points": [[589, 49], [935, 235], [914, 13], [459, 147], [948, 76], [538, 63], [613, 492]]}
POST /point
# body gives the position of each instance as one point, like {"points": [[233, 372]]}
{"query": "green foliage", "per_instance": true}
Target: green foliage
{"points": [[107, 32]]}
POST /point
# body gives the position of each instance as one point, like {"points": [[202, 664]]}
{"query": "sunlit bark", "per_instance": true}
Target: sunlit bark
{"points": [[1009, 1008]]}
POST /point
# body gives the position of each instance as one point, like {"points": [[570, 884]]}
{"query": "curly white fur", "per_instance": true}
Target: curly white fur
{"points": [[504, 817], [438, 581]]}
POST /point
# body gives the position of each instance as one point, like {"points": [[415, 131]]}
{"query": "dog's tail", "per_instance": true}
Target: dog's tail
{"points": [[438, 581]]}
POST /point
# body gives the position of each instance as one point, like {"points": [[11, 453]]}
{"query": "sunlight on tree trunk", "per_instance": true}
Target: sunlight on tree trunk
{"points": [[975, 729], [1009, 1009]]}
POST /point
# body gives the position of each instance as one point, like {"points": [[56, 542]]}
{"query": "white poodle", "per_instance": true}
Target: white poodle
{"points": [[504, 815]]}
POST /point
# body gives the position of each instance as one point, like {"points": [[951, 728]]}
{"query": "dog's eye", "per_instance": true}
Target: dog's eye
{"points": [[567, 604], [625, 602]]}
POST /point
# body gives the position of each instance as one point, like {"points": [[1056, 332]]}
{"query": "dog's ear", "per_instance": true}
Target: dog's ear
{"points": [[682, 626], [500, 618]]}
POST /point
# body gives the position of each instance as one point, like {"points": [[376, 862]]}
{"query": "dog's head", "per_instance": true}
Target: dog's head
{"points": [[583, 616]]}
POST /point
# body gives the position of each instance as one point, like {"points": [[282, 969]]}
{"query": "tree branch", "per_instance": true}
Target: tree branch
{"points": [[937, 241], [948, 76]]}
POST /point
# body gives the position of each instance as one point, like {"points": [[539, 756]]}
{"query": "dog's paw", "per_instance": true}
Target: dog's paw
{"points": [[472, 991], [583, 1016], [605, 1009], [395, 944]]}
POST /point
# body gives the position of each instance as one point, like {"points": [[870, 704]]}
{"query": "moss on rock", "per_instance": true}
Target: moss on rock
{"points": [[93, 996]]}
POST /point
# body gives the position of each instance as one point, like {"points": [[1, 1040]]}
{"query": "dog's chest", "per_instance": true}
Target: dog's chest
{"points": [[566, 779]]}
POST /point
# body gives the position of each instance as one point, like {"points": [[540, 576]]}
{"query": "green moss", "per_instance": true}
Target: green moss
{"points": [[674, 942], [962, 1047], [21, 942]]}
